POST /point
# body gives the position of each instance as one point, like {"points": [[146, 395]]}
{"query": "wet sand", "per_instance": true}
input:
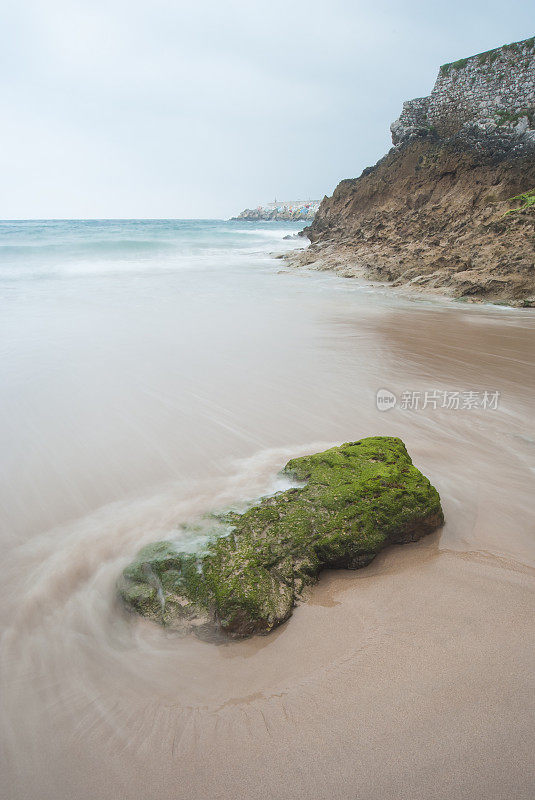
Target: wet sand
{"points": [[412, 678]]}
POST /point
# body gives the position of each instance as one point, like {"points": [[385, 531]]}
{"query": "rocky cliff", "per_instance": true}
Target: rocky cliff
{"points": [[451, 207]]}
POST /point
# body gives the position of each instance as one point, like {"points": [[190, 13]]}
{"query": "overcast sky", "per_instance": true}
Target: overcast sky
{"points": [[169, 108]]}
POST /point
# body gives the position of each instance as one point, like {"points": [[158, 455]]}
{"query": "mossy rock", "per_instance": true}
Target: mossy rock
{"points": [[356, 499]]}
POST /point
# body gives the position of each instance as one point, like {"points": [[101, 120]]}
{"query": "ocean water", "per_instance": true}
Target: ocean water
{"points": [[114, 336], [155, 370]]}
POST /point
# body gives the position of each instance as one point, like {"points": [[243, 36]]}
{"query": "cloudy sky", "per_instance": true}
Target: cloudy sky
{"points": [[169, 108]]}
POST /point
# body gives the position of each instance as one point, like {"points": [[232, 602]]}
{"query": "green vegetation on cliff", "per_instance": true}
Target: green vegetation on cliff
{"points": [[490, 56], [528, 202], [357, 499]]}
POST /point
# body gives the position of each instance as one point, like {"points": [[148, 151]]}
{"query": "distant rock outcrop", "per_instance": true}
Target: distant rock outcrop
{"points": [[450, 207], [292, 210]]}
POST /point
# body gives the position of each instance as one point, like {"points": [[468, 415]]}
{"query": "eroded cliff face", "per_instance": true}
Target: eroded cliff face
{"points": [[433, 213]]}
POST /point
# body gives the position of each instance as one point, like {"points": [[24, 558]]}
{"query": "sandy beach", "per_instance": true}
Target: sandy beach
{"points": [[411, 678]]}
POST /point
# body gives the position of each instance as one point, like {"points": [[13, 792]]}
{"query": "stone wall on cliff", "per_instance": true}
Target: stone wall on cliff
{"points": [[495, 89]]}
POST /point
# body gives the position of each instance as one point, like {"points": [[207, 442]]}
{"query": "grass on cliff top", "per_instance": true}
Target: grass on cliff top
{"points": [[490, 56]]}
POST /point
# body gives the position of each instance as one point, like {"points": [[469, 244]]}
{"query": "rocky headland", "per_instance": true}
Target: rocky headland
{"points": [[353, 501], [451, 207], [287, 211]]}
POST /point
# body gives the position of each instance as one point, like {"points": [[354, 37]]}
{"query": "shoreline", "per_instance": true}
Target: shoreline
{"points": [[344, 263]]}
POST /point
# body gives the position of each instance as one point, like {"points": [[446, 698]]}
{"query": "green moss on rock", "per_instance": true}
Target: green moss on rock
{"points": [[356, 499]]}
